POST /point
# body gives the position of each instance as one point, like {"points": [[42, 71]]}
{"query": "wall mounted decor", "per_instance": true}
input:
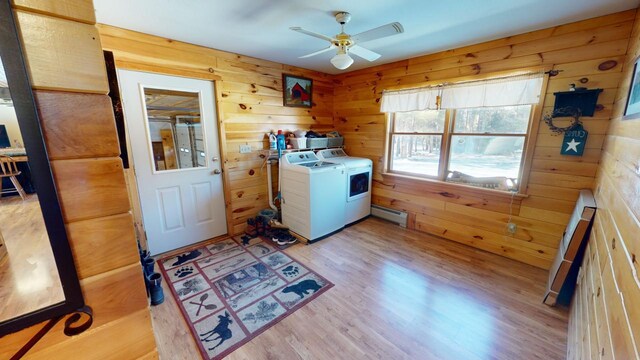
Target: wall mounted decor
{"points": [[296, 91], [632, 109], [583, 99], [574, 141]]}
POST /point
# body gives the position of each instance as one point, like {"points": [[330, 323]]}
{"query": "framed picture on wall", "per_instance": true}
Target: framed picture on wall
{"points": [[296, 91], [632, 109]]}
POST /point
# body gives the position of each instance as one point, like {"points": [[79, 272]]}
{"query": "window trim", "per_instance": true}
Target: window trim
{"points": [[528, 149]]}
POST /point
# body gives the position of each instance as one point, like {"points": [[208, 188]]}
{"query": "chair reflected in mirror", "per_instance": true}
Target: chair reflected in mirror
{"points": [[9, 169]]}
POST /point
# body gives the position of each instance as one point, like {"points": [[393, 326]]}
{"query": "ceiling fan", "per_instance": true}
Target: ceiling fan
{"points": [[346, 43]]}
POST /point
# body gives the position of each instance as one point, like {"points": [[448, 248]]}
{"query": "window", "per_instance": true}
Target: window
{"points": [[416, 141], [477, 146]]}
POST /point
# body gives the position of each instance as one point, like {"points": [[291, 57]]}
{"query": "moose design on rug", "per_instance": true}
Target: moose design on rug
{"points": [[222, 331]]}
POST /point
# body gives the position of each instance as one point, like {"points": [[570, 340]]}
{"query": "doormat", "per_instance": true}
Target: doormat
{"points": [[230, 293]]}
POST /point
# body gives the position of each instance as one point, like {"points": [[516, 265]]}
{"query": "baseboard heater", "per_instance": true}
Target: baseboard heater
{"points": [[398, 217]]}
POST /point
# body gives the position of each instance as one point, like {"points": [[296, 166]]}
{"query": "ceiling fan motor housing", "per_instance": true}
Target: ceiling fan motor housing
{"points": [[343, 17], [344, 40]]}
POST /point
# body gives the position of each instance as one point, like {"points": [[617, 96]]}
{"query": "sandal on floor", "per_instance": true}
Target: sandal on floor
{"points": [[277, 225]]}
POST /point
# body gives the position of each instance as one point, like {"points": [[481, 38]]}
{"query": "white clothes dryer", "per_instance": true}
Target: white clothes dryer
{"points": [[358, 181]]}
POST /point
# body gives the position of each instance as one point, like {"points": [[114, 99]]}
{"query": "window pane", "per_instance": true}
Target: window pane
{"points": [[486, 156], [418, 154], [175, 129], [420, 121], [505, 120]]}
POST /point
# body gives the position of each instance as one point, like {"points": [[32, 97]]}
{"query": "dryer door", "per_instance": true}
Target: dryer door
{"points": [[359, 183]]}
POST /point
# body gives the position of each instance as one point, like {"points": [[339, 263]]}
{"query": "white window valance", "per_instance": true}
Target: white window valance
{"points": [[410, 100], [506, 91]]}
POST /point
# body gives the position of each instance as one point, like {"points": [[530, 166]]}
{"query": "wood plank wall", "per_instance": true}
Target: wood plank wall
{"points": [[604, 322], [249, 93], [479, 218], [67, 71]]}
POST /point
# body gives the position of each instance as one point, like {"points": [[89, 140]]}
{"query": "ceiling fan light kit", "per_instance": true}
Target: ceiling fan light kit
{"points": [[342, 60], [346, 43]]}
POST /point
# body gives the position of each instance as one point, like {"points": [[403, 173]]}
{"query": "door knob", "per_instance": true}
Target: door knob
{"points": [[217, 171], [214, 159]]}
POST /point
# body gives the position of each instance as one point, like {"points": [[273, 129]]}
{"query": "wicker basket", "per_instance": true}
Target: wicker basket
{"points": [[316, 143], [335, 141]]}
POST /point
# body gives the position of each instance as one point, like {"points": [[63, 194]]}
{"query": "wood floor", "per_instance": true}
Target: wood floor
{"points": [[400, 294], [28, 275]]}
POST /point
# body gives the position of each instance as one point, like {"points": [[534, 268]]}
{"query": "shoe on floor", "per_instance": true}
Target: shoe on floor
{"points": [[283, 237]]}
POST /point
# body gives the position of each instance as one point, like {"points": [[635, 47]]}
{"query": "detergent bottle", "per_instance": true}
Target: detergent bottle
{"points": [[281, 143], [273, 145]]}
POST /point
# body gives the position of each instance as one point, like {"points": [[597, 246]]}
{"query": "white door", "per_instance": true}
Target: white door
{"points": [[182, 200]]}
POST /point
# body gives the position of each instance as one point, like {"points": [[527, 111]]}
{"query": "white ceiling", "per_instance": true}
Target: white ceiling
{"points": [[260, 28]]}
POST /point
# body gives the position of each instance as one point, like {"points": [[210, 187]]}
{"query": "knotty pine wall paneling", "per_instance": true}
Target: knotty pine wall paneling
{"points": [[478, 218], [605, 318], [66, 67], [249, 104]]}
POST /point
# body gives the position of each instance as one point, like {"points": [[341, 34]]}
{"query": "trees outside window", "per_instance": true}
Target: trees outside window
{"points": [[480, 146]]}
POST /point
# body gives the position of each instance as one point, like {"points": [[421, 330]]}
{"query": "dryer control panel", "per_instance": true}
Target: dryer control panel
{"points": [[332, 153]]}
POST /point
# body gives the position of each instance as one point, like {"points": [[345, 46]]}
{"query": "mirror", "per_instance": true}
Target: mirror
{"points": [[28, 273], [38, 280], [175, 131]]}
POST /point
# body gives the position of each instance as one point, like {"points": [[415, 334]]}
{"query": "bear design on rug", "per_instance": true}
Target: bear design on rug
{"points": [[186, 257], [221, 330], [302, 287]]}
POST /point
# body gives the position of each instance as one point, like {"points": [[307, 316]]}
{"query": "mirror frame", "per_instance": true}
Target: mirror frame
{"points": [[24, 104]]}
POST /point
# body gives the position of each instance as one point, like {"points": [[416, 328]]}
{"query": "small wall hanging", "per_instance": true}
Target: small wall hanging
{"points": [[296, 91], [575, 136], [574, 141], [632, 109]]}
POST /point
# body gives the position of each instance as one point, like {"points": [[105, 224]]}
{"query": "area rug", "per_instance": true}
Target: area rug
{"points": [[231, 291]]}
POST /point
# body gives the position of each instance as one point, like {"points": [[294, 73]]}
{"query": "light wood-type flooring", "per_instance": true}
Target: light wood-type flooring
{"points": [[28, 275], [400, 294]]}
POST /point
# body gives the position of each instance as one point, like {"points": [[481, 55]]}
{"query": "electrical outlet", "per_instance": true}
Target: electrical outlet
{"points": [[512, 227], [245, 149]]}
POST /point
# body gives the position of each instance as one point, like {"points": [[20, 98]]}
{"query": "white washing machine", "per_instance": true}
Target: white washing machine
{"points": [[313, 193], [359, 173]]}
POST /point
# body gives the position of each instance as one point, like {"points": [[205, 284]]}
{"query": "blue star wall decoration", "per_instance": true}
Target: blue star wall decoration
{"points": [[574, 141]]}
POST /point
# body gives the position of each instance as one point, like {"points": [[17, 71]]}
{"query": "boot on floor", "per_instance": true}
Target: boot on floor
{"points": [[155, 289], [148, 265]]}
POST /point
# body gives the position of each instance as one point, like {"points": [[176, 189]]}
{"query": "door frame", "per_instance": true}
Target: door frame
{"points": [[222, 139]]}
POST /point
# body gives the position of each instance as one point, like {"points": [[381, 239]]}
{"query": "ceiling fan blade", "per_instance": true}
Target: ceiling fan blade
{"points": [[379, 32], [331, 47], [363, 53], [311, 33]]}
